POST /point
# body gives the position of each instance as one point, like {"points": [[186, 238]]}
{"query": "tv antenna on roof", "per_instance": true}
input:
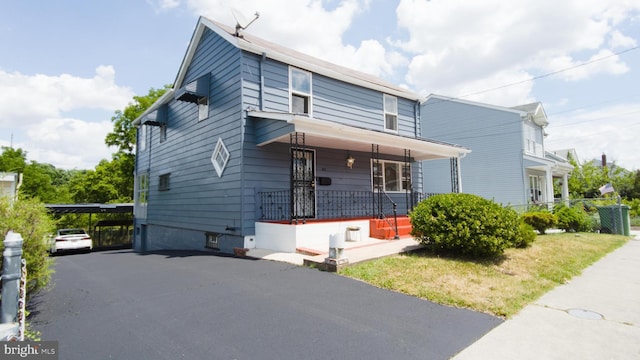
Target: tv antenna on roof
{"points": [[241, 21]]}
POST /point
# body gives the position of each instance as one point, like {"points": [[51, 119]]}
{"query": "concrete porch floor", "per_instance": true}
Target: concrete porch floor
{"points": [[366, 248]]}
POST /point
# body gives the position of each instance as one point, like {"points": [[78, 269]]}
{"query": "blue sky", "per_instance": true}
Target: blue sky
{"points": [[67, 65]]}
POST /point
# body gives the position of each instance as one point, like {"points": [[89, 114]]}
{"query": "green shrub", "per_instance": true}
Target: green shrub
{"points": [[527, 236], [464, 224], [31, 220], [574, 219], [540, 220]]}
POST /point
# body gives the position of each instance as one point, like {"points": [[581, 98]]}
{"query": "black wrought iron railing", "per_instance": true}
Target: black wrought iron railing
{"points": [[275, 205], [387, 209], [343, 204], [334, 204]]}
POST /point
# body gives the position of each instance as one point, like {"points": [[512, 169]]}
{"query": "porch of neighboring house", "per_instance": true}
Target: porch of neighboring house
{"points": [[369, 205], [540, 175]]}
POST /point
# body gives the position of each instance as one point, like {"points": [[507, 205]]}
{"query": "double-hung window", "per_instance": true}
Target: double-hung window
{"points": [[300, 90], [390, 175], [390, 113]]}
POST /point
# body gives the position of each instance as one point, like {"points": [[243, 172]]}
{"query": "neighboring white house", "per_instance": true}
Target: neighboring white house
{"points": [[9, 184], [508, 163]]}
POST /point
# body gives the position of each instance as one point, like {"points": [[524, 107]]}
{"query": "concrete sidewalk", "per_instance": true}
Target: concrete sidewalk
{"points": [[595, 316]]}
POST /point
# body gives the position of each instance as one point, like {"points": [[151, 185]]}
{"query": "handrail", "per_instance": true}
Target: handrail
{"points": [[386, 198]]}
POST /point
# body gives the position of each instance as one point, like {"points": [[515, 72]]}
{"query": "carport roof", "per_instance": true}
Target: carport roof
{"points": [[89, 208]]}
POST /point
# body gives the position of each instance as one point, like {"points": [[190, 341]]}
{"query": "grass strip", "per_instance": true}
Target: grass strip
{"points": [[500, 286]]}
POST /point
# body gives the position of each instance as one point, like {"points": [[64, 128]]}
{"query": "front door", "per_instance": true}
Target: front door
{"points": [[303, 183]]}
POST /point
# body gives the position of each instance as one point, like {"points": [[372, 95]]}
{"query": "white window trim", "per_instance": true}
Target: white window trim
{"points": [[220, 148], [300, 93], [203, 108], [390, 112], [402, 179]]}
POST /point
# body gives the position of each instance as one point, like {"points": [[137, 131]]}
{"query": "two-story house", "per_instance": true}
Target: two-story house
{"points": [[257, 145], [508, 164]]}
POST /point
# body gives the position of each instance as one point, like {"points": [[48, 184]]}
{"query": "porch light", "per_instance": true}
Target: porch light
{"points": [[350, 161]]}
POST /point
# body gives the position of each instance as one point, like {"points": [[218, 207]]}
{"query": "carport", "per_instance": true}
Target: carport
{"points": [[124, 208]]}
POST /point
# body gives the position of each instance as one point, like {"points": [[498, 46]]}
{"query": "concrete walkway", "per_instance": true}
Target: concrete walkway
{"points": [[595, 316], [366, 249]]}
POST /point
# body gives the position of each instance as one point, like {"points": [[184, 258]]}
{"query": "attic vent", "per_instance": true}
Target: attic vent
{"points": [[195, 90]]}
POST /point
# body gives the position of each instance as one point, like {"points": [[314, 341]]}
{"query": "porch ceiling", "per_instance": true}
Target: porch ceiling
{"points": [[328, 134]]}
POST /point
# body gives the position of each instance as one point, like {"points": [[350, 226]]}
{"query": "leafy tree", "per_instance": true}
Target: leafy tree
{"points": [[123, 137], [30, 219], [13, 160], [586, 179]]}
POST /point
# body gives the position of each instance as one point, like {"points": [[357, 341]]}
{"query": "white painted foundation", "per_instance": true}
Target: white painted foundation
{"points": [[313, 235]]}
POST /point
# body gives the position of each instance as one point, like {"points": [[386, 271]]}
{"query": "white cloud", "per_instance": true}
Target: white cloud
{"points": [[33, 108], [464, 46], [610, 130], [28, 99], [68, 143], [306, 26]]}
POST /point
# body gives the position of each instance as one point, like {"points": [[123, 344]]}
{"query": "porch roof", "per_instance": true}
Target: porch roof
{"points": [[558, 168], [332, 135]]}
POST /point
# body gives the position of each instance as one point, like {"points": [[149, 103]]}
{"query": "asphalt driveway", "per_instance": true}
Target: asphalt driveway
{"points": [[195, 305]]}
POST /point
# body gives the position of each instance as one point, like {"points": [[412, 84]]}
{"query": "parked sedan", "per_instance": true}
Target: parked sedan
{"points": [[71, 240]]}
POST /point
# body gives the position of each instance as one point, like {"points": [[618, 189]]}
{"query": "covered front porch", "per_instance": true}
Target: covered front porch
{"points": [[540, 174], [340, 177]]}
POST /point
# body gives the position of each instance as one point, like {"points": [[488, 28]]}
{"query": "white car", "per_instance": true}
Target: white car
{"points": [[71, 239]]}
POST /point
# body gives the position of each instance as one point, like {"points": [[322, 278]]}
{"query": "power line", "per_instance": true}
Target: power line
{"points": [[553, 73], [536, 77]]}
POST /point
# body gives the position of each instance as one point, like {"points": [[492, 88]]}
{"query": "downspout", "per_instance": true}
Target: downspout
{"points": [[264, 56]]}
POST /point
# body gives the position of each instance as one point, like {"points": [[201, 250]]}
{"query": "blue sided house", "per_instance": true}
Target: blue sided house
{"points": [[257, 145], [509, 163]]}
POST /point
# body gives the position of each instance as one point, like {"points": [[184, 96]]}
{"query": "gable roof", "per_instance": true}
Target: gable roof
{"points": [[474, 103], [538, 115], [533, 110], [276, 52], [256, 45]]}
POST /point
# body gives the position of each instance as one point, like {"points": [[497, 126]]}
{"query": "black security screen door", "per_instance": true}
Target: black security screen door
{"points": [[303, 183]]}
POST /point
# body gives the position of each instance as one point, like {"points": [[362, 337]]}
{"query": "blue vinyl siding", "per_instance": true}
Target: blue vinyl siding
{"points": [[494, 168], [198, 199]]}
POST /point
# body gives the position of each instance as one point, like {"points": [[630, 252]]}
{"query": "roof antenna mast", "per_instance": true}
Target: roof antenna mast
{"points": [[242, 22]]}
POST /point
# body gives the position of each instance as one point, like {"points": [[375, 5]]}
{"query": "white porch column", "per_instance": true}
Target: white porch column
{"points": [[565, 189], [549, 184], [459, 174]]}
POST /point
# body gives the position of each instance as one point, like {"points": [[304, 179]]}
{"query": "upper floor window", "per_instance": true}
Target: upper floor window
{"points": [[142, 137], [390, 175], [203, 108], [390, 113], [163, 133], [532, 146], [300, 89]]}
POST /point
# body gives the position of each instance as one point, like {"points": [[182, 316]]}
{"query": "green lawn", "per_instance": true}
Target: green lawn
{"points": [[501, 287]]}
